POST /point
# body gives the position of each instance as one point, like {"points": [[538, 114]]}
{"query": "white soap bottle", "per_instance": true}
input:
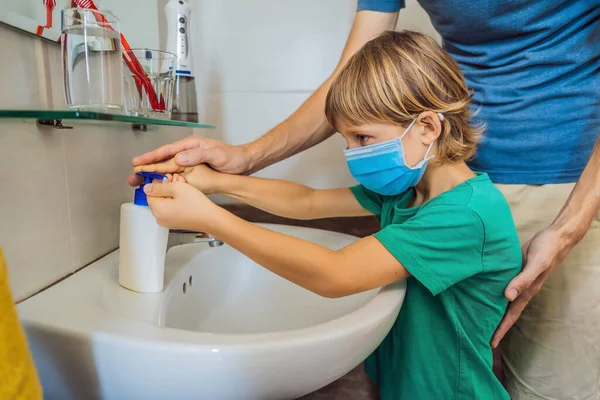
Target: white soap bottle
{"points": [[143, 244]]}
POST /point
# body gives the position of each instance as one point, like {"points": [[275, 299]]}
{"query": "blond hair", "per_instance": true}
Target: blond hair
{"points": [[395, 77]]}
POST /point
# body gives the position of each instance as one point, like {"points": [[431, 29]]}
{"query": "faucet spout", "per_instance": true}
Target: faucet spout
{"points": [[178, 237]]}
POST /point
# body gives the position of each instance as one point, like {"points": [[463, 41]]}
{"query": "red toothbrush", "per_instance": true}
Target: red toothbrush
{"points": [[49, 4], [130, 59]]}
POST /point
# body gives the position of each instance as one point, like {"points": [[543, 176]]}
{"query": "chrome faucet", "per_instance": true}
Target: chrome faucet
{"points": [[178, 237]]}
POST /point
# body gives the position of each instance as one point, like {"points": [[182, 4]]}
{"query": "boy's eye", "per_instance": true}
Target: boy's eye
{"points": [[362, 138]]}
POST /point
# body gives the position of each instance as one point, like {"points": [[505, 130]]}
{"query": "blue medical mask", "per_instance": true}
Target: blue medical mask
{"points": [[382, 167]]}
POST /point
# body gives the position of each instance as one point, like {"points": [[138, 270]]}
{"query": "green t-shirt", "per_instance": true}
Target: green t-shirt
{"points": [[462, 250]]}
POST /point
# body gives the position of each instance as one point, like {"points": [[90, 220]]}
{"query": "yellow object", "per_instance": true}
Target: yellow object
{"points": [[18, 377]]}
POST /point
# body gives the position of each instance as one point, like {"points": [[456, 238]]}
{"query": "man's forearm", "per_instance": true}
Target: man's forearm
{"points": [[308, 126], [303, 129], [583, 204]]}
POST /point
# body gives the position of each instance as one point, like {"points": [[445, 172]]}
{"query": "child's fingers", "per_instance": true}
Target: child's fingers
{"points": [[160, 190], [180, 178], [135, 180]]}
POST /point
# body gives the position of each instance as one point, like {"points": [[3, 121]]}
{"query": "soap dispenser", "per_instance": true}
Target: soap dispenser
{"points": [[143, 244]]}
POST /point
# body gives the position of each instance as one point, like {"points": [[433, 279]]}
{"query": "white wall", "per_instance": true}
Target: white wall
{"points": [[138, 20], [257, 61]]}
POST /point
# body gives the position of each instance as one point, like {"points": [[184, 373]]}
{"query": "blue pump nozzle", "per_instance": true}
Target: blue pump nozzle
{"points": [[140, 197]]}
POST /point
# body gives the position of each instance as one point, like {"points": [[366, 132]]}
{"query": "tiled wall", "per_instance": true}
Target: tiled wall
{"points": [[60, 190]]}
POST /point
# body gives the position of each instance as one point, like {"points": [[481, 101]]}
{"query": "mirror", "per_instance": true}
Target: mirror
{"points": [[42, 18]]}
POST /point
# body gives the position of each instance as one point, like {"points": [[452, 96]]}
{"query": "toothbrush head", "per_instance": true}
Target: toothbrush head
{"points": [[85, 3]]}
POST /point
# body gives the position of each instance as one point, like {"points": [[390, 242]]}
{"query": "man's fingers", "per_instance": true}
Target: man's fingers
{"points": [[504, 326], [166, 151], [192, 157], [523, 281], [166, 167], [513, 312], [162, 153]]}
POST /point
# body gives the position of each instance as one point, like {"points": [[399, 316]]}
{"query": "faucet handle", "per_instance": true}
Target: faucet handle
{"points": [[180, 236], [183, 231]]}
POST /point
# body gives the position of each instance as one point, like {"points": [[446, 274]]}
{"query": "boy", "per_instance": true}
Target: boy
{"points": [[402, 105]]}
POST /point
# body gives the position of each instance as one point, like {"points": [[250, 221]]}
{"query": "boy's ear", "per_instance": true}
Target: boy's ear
{"points": [[431, 126]]}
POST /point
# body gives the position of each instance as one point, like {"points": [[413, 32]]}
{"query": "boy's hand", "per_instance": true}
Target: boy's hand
{"points": [[202, 177], [177, 205]]}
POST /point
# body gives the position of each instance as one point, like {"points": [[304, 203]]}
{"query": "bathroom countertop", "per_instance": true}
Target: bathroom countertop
{"points": [[355, 385]]}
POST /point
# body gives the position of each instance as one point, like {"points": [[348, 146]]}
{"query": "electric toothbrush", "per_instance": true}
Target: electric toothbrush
{"points": [[178, 14]]}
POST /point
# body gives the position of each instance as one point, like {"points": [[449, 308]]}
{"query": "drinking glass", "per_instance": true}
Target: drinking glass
{"points": [[159, 68], [92, 60]]}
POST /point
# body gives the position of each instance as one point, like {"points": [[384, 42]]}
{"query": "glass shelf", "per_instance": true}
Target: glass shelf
{"points": [[54, 118]]}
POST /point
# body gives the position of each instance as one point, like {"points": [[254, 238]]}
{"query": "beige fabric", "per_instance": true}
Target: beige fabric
{"points": [[553, 352]]}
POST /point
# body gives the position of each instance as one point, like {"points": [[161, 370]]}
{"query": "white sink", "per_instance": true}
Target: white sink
{"points": [[223, 328]]}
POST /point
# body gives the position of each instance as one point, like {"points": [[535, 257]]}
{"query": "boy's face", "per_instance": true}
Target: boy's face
{"points": [[414, 142]]}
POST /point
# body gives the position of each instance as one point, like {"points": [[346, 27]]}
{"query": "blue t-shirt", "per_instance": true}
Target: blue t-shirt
{"points": [[535, 68]]}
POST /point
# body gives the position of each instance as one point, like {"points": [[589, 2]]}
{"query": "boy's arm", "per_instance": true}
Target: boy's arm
{"points": [[441, 247], [289, 199], [360, 266], [286, 199]]}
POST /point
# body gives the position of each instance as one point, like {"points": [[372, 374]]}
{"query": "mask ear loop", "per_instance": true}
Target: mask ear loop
{"points": [[408, 128], [441, 117], [426, 158], [427, 153]]}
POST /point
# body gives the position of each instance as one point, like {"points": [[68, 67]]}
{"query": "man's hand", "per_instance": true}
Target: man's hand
{"points": [[541, 255], [195, 150]]}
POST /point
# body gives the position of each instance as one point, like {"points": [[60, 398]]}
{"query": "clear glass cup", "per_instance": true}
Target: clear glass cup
{"points": [[92, 60], [150, 94]]}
